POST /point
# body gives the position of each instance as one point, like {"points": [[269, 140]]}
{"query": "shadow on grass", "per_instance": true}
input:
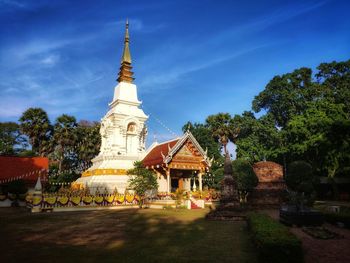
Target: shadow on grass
{"points": [[122, 236]]}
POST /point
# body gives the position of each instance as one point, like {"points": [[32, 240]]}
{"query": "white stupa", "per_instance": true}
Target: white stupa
{"points": [[123, 134]]}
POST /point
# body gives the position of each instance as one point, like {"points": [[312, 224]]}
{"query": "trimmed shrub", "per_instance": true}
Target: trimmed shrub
{"points": [[335, 218], [273, 240]]}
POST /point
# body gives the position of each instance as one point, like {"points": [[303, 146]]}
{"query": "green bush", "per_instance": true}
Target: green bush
{"points": [[246, 178], [302, 181], [17, 187], [273, 240], [341, 217]]}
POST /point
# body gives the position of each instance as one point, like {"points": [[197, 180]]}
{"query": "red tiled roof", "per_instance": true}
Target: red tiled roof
{"points": [[25, 168], [154, 157]]}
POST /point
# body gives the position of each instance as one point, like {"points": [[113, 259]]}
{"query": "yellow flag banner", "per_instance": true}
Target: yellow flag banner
{"points": [[75, 200], [98, 199], [120, 199], [50, 200], [37, 200], [129, 198], [63, 200], [88, 199], [109, 198]]}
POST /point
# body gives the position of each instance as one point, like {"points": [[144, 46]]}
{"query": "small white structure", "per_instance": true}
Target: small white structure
{"points": [[123, 133]]}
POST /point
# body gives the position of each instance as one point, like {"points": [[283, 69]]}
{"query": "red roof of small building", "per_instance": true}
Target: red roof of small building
{"points": [[154, 157], [24, 168]]}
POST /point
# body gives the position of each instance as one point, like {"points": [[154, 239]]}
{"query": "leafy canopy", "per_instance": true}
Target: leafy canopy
{"points": [[36, 125], [245, 176], [12, 140], [142, 179]]}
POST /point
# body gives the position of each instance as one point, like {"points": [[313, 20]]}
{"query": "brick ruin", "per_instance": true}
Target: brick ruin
{"points": [[271, 184]]}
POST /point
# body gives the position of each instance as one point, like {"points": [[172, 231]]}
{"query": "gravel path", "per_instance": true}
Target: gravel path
{"points": [[323, 251]]}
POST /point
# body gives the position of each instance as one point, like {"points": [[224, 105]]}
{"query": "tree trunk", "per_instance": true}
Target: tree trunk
{"points": [[225, 148]]}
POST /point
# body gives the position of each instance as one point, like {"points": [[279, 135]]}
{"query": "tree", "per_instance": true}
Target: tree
{"points": [[89, 140], [246, 178], [222, 128], [258, 139], [218, 175], [320, 136], [142, 180], [36, 125], [65, 138], [307, 118], [334, 79], [300, 179], [12, 140], [287, 95]]}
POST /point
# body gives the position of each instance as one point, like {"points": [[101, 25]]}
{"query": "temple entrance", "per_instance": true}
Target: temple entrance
{"points": [[181, 179], [174, 184]]}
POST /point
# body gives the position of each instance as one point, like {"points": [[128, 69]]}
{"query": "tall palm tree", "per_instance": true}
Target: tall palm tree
{"points": [[64, 137], [222, 128], [35, 123], [89, 140]]}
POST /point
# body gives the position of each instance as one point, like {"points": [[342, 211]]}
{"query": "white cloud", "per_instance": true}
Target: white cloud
{"points": [[27, 80], [177, 58], [51, 60], [37, 51]]}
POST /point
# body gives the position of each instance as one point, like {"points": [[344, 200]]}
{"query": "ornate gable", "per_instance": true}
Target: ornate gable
{"points": [[187, 157], [187, 151], [184, 153]]}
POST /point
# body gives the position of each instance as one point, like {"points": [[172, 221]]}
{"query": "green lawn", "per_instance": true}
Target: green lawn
{"points": [[122, 236]]}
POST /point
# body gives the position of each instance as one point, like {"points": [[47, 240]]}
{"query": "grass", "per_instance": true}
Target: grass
{"points": [[122, 236]]}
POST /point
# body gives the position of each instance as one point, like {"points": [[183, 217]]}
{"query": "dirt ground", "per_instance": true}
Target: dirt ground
{"points": [[323, 251], [132, 235]]}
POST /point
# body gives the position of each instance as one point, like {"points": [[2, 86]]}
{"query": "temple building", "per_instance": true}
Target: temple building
{"points": [[176, 162], [123, 136]]}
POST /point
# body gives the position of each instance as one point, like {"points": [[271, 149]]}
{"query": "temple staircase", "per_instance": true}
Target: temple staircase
{"points": [[196, 204]]}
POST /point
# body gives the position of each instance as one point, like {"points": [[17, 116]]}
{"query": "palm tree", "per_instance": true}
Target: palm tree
{"points": [[89, 140], [64, 137], [222, 128], [36, 125]]}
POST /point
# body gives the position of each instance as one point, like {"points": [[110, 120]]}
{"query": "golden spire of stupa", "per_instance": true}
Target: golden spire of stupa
{"points": [[125, 74]]}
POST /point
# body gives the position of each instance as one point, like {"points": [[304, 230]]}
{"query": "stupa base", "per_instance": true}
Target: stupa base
{"points": [[104, 183]]}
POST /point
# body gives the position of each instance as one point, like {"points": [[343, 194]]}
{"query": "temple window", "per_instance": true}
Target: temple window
{"points": [[131, 127]]}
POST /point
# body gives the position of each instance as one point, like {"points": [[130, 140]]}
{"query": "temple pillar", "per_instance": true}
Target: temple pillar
{"points": [[187, 184], [168, 180], [200, 181]]}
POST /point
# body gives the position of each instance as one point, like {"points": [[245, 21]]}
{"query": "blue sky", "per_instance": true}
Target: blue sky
{"points": [[190, 58]]}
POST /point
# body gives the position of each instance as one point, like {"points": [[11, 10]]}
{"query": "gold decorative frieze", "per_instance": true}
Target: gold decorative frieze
{"points": [[105, 172]]}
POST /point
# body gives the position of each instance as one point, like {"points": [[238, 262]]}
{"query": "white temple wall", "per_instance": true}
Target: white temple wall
{"points": [[162, 183], [187, 184], [126, 91]]}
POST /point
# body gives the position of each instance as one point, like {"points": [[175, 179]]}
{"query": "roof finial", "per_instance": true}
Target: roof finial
{"points": [[125, 74], [126, 39]]}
